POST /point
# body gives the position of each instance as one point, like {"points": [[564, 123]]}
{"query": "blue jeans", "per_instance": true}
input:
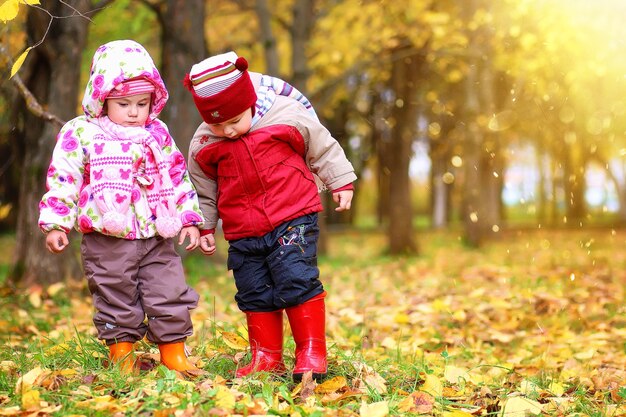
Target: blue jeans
{"points": [[278, 269]]}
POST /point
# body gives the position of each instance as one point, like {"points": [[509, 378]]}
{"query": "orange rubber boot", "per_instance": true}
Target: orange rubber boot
{"points": [[265, 334], [308, 326], [122, 354], [173, 356]]}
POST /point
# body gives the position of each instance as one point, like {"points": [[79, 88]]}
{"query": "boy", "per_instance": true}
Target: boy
{"points": [[252, 162]]}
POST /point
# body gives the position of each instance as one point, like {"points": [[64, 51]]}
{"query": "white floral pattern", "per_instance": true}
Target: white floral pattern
{"points": [[69, 202]]}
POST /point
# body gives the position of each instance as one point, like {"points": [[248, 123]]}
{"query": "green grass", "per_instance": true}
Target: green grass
{"points": [[517, 313]]}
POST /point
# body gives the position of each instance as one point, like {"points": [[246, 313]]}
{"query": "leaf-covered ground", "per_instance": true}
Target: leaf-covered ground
{"points": [[533, 324]]}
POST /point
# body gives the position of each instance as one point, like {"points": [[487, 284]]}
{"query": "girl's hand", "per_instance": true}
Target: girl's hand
{"points": [[194, 237], [56, 241]]}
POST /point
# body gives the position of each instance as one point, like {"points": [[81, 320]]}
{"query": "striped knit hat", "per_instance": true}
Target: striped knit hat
{"points": [[221, 87], [132, 87]]}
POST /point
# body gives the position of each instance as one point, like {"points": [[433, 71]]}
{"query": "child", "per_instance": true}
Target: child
{"points": [[117, 176], [252, 162]]}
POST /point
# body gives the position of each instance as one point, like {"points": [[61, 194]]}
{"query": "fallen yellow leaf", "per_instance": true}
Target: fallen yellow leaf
{"points": [[456, 413], [520, 407], [585, 355], [26, 382], [30, 400], [234, 341], [55, 288], [224, 398], [378, 409], [432, 385], [60, 348], [34, 295], [11, 411], [331, 385], [455, 375], [417, 402]]}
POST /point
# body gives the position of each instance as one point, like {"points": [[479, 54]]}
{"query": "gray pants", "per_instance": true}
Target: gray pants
{"points": [[130, 280]]}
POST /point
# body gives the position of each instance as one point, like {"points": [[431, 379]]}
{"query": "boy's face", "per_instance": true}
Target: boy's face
{"points": [[129, 111], [233, 128]]}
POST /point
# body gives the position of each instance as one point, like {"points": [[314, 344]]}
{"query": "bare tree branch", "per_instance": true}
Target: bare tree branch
{"points": [[32, 103]]}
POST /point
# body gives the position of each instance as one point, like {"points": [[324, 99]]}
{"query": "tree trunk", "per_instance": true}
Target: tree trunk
{"points": [[441, 191], [557, 187], [404, 82], [183, 44], [337, 126], [53, 74], [268, 40], [382, 146], [301, 25], [542, 201], [472, 204], [479, 213], [574, 181], [491, 167]]}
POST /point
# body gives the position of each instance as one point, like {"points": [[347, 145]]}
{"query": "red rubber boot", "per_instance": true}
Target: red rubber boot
{"points": [[265, 334], [308, 325]]}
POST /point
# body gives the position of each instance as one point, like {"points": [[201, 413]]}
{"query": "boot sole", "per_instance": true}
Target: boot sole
{"points": [[316, 377]]}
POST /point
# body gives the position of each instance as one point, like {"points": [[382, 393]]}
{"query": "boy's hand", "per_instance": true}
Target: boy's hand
{"points": [[207, 244], [194, 237], [343, 199], [56, 241]]}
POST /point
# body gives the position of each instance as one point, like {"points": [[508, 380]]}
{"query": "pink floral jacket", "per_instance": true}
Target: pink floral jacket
{"points": [[69, 202]]}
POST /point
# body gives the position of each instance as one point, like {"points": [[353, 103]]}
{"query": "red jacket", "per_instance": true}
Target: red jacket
{"points": [[266, 177], [262, 180]]}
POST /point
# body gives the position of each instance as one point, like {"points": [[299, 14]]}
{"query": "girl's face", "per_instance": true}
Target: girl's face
{"points": [[233, 128], [129, 111]]}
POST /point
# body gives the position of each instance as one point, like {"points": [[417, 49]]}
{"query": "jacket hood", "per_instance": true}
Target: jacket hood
{"points": [[114, 63]]}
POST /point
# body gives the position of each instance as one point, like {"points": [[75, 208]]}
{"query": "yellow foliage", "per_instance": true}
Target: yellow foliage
{"points": [[10, 8], [101, 403], [331, 385], [378, 409], [234, 341], [456, 375], [26, 382], [521, 407], [56, 349], [417, 402], [432, 385], [5, 210], [456, 413], [224, 398], [30, 399], [19, 61]]}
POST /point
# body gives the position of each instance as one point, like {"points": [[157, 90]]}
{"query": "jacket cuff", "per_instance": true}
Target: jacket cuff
{"points": [[205, 232], [344, 188]]}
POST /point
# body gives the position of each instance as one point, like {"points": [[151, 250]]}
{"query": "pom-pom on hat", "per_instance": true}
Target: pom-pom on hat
{"points": [[132, 87], [221, 87]]}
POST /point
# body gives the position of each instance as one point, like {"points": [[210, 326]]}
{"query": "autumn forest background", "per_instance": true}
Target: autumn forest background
{"points": [[481, 270]]}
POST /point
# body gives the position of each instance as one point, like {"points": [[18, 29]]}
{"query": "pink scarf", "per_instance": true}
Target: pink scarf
{"points": [[113, 174]]}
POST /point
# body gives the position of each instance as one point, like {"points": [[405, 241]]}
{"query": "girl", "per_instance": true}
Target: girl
{"points": [[117, 176]]}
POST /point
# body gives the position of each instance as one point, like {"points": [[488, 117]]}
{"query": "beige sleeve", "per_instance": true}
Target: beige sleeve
{"points": [[205, 187], [324, 156]]}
